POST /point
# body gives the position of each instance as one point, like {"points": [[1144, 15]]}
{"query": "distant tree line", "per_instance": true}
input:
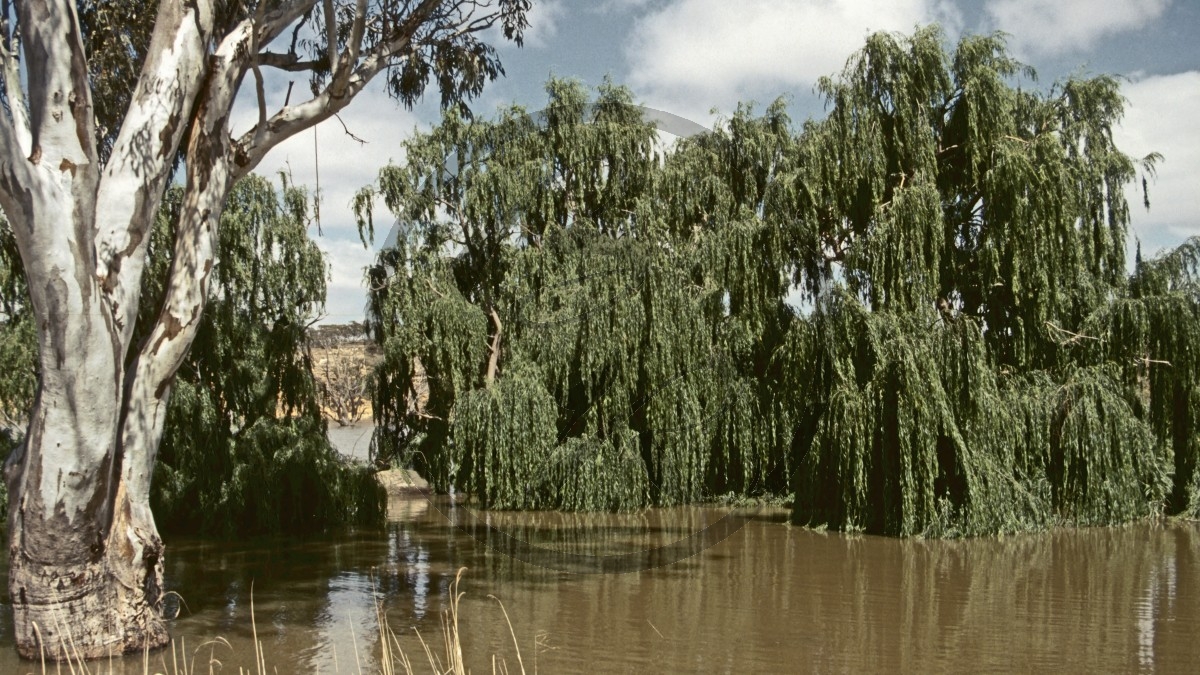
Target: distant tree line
{"points": [[912, 316]]}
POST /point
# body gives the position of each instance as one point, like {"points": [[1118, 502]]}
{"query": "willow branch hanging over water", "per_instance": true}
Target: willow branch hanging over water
{"points": [[913, 313]]}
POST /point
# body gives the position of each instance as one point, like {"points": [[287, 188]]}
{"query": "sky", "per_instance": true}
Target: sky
{"points": [[699, 58]]}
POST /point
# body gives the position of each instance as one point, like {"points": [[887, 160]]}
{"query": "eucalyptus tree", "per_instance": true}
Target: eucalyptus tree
{"points": [[244, 446], [83, 167]]}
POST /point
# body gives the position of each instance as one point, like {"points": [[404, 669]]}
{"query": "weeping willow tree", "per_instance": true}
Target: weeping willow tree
{"points": [[244, 448], [1153, 334], [576, 343], [969, 362]]}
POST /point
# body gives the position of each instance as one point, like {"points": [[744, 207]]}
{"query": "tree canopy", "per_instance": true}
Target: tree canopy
{"points": [[913, 314]]}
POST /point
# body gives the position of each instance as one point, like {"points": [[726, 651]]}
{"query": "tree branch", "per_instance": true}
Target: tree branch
{"points": [[17, 141], [494, 359], [149, 379], [1074, 337], [345, 67], [259, 89], [61, 119], [349, 79], [274, 21], [144, 152], [287, 62]]}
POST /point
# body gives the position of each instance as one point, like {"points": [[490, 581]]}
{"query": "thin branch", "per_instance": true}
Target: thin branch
{"points": [[1147, 361], [1075, 337], [287, 62], [330, 34], [347, 130], [259, 87], [494, 359]]}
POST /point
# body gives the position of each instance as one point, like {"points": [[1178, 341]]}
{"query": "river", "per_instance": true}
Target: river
{"points": [[692, 589]]}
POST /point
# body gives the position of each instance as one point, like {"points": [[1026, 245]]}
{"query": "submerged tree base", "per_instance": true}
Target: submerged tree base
{"points": [[102, 607]]}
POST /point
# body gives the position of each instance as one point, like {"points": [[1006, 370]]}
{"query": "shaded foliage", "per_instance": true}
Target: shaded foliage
{"points": [[18, 342], [244, 447]]}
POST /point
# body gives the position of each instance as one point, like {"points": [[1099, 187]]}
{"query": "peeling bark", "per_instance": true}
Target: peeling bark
{"points": [[85, 554]]}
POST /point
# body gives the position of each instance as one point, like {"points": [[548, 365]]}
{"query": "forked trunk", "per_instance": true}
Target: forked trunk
{"points": [[85, 556]]}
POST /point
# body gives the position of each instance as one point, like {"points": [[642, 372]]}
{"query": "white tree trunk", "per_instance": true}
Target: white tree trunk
{"points": [[85, 557]]}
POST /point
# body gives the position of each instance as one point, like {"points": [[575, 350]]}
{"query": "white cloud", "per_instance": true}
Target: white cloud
{"points": [[1050, 27], [345, 167], [544, 18], [1161, 117], [695, 54]]}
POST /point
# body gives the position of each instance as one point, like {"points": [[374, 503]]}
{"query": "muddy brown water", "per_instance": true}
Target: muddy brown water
{"points": [[684, 590]]}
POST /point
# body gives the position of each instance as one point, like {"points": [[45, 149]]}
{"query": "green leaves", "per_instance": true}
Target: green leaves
{"points": [[18, 341], [970, 356], [544, 233], [244, 449]]}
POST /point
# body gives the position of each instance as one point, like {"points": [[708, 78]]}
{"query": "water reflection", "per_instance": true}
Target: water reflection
{"points": [[768, 598]]}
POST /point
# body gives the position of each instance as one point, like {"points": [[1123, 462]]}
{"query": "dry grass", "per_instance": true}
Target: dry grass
{"points": [[176, 660]]}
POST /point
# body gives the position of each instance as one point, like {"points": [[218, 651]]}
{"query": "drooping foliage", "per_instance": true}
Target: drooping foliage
{"points": [[538, 239], [244, 448], [973, 233], [915, 312]]}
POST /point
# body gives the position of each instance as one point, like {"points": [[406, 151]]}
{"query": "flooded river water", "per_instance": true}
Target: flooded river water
{"points": [[686, 590]]}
